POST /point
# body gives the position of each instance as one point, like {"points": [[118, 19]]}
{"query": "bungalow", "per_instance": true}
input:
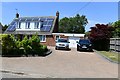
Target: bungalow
{"points": [[45, 26]]}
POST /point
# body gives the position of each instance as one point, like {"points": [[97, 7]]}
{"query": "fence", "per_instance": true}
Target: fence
{"points": [[115, 44]]}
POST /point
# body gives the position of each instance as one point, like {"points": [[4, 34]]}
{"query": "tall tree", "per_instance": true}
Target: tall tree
{"points": [[73, 24]]}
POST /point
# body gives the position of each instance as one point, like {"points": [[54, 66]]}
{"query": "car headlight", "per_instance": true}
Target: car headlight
{"points": [[90, 45]]}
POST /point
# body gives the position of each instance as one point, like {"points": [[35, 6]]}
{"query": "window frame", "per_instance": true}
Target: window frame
{"points": [[41, 37], [56, 37], [36, 25], [19, 25], [27, 25]]}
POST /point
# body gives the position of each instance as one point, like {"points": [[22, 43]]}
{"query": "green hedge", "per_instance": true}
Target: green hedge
{"points": [[15, 47]]}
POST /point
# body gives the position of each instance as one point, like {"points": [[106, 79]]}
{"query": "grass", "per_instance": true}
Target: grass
{"points": [[114, 56]]}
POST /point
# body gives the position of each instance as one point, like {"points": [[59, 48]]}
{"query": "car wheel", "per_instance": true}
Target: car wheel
{"points": [[56, 48], [77, 48]]}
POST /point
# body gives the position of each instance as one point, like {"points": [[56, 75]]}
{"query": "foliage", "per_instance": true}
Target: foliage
{"points": [[87, 34], [25, 43], [100, 35], [73, 24], [35, 44], [8, 45], [4, 28], [14, 47], [116, 26]]}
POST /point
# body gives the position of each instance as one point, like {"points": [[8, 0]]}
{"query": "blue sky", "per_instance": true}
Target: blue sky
{"points": [[96, 12]]}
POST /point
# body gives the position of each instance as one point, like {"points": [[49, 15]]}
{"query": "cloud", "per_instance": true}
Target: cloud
{"points": [[91, 23]]}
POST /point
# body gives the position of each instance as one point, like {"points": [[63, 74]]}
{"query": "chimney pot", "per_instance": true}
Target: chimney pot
{"points": [[17, 15]]}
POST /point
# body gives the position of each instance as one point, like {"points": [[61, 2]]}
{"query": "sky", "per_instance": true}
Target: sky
{"points": [[95, 12]]}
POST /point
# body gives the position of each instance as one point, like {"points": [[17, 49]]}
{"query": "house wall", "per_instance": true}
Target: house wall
{"points": [[62, 36], [50, 40], [32, 27]]}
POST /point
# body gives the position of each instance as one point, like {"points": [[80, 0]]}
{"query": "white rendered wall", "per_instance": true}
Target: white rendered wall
{"points": [[32, 27]]}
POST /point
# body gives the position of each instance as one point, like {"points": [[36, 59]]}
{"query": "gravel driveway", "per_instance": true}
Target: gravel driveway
{"points": [[62, 64]]}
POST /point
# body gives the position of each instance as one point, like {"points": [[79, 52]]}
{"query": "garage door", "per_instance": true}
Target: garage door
{"points": [[73, 41]]}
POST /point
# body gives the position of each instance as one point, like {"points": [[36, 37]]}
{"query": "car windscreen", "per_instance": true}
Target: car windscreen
{"points": [[62, 40], [84, 41]]}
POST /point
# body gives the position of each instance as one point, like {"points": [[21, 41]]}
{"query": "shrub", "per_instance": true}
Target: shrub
{"points": [[25, 44], [8, 45], [14, 47]]}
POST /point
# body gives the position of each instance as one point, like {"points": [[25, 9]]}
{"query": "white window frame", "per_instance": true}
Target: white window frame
{"points": [[42, 38], [56, 37], [27, 26], [36, 25], [18, 25]]}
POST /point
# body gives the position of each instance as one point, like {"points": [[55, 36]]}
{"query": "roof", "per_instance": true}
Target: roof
{"points": [[30, 32], [69, 34], [48, 23]]}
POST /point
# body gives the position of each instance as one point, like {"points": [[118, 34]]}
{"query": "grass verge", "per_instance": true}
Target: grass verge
{"points": [[114, 56]]}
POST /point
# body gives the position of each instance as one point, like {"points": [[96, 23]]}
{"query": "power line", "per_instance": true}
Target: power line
{"points": [[82, 7]]}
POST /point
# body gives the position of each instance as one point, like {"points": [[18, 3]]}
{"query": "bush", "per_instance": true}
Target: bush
{"points": [[14, 47], [9, 46]]}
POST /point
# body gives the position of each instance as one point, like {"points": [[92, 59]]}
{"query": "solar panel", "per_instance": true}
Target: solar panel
{"points": [[45, 22], [42, 19], [35, 19], [12, 26], [29, 19], [12, 23], [23, 19], [42, 28], [45, 28], [48, 28], [50, 19], [50, 23]]}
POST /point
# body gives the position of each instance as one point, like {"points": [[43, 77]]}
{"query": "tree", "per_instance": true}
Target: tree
{"points": [[73, 24], [4, 28], [100, 36], [116, 26]]}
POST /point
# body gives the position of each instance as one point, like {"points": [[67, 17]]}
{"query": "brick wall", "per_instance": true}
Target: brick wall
{"points": [[50, 40]]}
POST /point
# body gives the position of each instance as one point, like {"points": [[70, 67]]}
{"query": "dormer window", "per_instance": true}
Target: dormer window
{"points": [[27, 25], [19, 25], [36, 25]]}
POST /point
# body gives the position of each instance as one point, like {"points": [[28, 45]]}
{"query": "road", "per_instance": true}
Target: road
{"points": [[60, 64]]}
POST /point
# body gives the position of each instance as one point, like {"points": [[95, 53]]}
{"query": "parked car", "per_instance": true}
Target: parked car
{"points": [[62, 44], [84, 44]]}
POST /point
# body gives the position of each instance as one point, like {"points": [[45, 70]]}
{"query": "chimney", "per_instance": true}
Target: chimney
{"points": [[17, 15], [57, 14], [57, 22]]}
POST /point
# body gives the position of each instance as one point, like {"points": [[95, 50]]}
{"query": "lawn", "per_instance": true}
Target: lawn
{"points": [[114, 56]]}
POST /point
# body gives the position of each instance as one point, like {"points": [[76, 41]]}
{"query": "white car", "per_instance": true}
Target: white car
{"points": [[62, 44]]}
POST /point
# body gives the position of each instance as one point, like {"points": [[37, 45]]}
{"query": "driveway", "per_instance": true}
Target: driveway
{"points": [[61, 64]]}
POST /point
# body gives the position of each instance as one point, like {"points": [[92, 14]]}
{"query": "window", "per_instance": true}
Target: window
{"points": [[57, 37], [27, 25], [36, 25], [42, 38], [19, 25]]}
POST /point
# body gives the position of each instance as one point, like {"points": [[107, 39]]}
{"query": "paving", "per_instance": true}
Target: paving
{"points": [[60, 64]]}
